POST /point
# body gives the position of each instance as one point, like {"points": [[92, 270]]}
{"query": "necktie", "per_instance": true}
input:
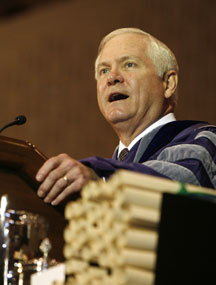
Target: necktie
{"points": [[123, 154]]}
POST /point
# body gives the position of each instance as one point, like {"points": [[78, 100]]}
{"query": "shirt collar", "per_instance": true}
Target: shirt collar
{"points": [[162, 121]]}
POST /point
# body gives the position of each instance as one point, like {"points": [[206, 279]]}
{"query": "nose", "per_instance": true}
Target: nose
{"points": [[114, 78]]}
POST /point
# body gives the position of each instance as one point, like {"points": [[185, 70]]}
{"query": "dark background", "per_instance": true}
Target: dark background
{"points": [[47, 55]]}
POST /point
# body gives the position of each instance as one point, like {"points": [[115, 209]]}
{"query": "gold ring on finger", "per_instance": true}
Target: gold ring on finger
{"points": [[66, 179]]}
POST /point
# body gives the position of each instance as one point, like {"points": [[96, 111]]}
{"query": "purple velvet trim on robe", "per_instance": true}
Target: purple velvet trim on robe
{"points": [[178, 133]]}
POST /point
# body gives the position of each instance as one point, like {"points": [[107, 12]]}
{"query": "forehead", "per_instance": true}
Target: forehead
{"points": [[124, 45]]}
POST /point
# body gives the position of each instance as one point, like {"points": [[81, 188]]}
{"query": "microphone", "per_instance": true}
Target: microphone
{"points": [[20, 120]]}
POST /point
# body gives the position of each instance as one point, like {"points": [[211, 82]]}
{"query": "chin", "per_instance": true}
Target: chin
{"points": [[117, 116], [117, 120]]}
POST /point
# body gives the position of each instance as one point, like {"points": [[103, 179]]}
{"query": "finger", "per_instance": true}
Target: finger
{"points": [[57, 188], [76, 180], [65, 179], [61, 164], [72, 188], [48, 166], [50, 181], [62, 159]]}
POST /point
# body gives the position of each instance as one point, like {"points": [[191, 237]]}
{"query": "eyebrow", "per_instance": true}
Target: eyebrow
{"points": [[123, 58]]}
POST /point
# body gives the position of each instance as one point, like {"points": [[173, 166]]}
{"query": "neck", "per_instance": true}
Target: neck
{"points": [[127, 132], [127, 135]]}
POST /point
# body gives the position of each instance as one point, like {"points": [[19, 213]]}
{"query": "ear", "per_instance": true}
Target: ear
{"points": [[170, 82]]}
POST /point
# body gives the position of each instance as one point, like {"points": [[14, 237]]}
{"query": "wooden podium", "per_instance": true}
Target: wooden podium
{"points": [[19, 163]]}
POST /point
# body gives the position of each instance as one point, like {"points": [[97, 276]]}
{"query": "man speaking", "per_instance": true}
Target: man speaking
{"points": [[137, 77]]}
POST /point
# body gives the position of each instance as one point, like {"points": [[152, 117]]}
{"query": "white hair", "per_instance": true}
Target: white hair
{"points": [[161, 56]]}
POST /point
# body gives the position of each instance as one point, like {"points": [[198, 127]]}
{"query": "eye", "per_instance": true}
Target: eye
{"points": [[130, 64], [103, 71]]}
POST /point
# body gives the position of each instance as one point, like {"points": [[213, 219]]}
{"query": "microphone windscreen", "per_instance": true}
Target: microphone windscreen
{"points": [[20, 120]]}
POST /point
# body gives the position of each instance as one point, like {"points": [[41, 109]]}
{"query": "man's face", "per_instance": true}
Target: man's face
{"points": [[128, 87]]}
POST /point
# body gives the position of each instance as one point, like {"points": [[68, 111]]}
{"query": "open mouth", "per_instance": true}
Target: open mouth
{"points": [[117, 96]]}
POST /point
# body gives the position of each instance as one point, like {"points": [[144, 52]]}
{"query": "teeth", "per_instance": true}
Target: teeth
{"points": [[117, 96]]}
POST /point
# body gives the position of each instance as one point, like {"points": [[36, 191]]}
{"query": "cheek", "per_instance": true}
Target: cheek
{"points": [[100, 99], [100, 88], [150, 85]]}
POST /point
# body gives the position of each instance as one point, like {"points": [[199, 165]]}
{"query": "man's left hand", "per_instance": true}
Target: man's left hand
{"points": [[61, 176]]}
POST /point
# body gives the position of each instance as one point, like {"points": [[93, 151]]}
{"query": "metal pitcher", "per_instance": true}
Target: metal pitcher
{"points": [[24, 244]]}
